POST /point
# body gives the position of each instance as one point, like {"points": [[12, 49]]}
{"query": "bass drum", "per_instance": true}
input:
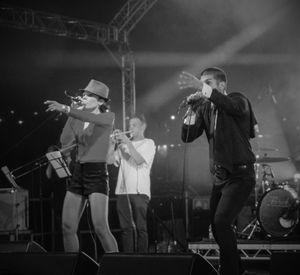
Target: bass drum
{"points": [[277, 211]]}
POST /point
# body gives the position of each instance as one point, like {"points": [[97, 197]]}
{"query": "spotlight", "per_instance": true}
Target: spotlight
{"points": [[172, 117], [162, 150], [296, 177], [20, 122]]}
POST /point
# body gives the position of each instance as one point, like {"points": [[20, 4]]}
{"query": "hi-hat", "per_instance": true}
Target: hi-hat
{"points": [[271, 159]]}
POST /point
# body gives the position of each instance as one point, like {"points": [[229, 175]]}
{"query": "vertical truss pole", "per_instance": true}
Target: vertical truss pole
{"points": [[128, 86]]}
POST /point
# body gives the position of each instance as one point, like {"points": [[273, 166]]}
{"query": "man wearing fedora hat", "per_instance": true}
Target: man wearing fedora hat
{"points": [[89, 125]]}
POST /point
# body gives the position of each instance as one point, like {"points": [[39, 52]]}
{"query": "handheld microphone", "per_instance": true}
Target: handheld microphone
{"points": [[76, 99], [191, 102]]}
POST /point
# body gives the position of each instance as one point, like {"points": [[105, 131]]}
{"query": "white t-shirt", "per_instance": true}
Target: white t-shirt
{"points": [[133, 178]]}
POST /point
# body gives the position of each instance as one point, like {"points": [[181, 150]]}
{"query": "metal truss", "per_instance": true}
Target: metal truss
{"points": [[128, 86], [130, 14], [125, 20], [108, 35], [248, 251], [50, 23]]}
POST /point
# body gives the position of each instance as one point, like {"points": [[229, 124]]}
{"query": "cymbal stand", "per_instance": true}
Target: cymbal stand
{"points": [[253, 226], [268, 181]]}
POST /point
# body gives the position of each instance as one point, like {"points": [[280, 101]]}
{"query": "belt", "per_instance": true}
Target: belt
{"points": [[236, 166]]}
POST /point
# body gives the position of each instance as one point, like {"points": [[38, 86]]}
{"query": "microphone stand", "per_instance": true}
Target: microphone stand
{"points": [[185, 189], [191, 105]]}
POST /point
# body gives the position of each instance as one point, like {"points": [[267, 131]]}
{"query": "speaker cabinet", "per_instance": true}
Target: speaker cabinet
{"points": [[21, 246], [158, 264], [13, 209], [287, 263], [20, 263]]}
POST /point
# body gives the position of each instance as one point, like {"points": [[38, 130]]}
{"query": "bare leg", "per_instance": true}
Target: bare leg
{"points": [[72, 211], [99, 213]]}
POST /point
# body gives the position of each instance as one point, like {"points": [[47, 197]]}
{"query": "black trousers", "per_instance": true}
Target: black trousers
{"points": [[132, 212], [227, 199]]}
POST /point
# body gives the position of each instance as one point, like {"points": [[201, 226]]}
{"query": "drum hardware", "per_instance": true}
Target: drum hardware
{"points": [[266, 149], [266, 159], [276, 211], [268, 179], [253, 226], [267, 182]]}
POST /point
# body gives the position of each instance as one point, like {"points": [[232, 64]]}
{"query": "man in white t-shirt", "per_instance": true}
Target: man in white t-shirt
{"points": [[134, 156]]}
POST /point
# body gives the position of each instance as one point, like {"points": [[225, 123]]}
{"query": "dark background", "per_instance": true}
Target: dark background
{"points": [[256, 42]]}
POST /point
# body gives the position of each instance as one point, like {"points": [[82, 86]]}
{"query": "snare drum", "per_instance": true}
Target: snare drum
{"points": [[274, 211]]}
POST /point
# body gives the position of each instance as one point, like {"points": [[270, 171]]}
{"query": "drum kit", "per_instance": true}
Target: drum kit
{"points": [[276, 204]]}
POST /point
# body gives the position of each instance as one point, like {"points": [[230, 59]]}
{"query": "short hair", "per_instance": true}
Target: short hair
{"points": [[141, 117], [218, 73]]}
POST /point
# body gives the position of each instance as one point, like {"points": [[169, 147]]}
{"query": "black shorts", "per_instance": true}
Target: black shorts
{"points": [[89, 178]]}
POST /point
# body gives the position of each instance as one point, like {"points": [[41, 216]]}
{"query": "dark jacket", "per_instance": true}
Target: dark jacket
{"points": [[235, 126]]}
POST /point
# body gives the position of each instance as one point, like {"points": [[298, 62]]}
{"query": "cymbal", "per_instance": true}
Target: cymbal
{"points": [[271, 159], [267, 149]]}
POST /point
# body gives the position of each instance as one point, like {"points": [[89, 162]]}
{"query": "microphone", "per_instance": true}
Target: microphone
{"points": [[190, 101], [76, 99]]}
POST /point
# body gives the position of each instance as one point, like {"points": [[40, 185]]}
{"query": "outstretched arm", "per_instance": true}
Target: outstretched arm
{"points": [[235, 104], [98, 119]]}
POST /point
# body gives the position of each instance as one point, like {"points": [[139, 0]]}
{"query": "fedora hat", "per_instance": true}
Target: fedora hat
{"points": [[97, 88]]}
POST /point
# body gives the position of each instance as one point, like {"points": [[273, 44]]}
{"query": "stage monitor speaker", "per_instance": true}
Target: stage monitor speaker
{"points": [[158, 264], [286, 263], [20, 263], [21, 246]]}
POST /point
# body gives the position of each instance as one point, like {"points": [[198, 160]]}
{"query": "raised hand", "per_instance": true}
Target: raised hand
{"points": [[188, 80]]}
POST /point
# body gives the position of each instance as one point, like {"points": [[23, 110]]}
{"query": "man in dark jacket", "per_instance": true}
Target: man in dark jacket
{"points": [[228, 122]]}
